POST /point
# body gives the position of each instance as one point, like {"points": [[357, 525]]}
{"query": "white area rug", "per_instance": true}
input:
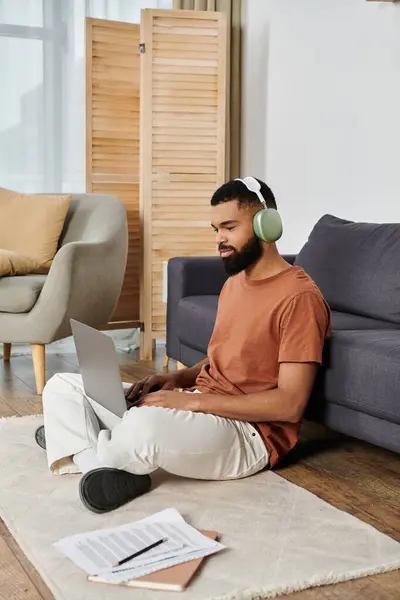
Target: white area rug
{"points": [[281, 538]]}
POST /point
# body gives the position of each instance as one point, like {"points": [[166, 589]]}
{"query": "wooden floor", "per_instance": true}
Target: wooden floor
{"points": [[355, 477]]}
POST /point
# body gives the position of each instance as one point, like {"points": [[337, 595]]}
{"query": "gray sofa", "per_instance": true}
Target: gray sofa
{"points": [[357, 267]]}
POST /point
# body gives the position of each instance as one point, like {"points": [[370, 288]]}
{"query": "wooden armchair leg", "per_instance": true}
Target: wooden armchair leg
{"points": [[6, 352], [166, 362], [39, 365]]}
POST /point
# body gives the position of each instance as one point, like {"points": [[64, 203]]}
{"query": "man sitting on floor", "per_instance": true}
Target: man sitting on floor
{"points": [[253, 386]]}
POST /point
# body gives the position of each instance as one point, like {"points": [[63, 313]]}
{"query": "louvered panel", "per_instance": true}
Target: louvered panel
{"points": [[130, 294], [113, 130], [183, 112]]}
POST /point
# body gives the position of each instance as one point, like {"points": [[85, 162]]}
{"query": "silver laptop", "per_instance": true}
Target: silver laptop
{"points": [[99, 367]]}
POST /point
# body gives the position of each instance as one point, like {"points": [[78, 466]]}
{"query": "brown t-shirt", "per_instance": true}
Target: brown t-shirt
{"points": [[259, 325]]}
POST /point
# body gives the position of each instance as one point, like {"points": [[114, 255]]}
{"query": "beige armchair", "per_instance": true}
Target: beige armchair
{"points": [[84, 281]]}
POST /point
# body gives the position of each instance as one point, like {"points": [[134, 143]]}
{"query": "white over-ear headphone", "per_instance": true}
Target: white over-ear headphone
{"points": [[267, 223]]}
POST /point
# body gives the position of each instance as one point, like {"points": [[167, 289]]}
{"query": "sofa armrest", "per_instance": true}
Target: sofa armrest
{"points": [[190, 276], [290, 258], [195, 276]]}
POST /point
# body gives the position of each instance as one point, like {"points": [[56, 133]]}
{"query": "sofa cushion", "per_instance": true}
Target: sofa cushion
{"points": [[19, 294], [356, 266], [197, 317], [196, 321], [362, 371], [342, 320]]}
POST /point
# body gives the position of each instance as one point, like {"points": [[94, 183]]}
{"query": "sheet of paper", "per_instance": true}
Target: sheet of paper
{"points": [[166, 515], [95, 552], [122, 576], [98, 552]]}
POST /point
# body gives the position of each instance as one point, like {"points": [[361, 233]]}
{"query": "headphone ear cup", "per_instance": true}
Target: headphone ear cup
{"points": [[267, 225]]}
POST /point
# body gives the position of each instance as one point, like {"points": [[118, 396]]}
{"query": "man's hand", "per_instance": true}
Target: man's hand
{"points": [[184, 378], [172, 399], [163, 381]]}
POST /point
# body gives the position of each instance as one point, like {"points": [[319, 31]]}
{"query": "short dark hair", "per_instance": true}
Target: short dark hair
{"points": [[237, 190]]}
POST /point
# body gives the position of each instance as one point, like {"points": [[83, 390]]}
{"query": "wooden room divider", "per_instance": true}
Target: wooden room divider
{"points": [[183, 121], [182, 60], [112, 138]]}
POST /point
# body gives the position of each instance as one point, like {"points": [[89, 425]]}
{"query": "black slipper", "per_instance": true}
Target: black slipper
{"points": [[105, 489], [40, 437]]}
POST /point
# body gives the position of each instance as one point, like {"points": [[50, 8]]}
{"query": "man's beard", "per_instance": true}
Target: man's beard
{"points": [[242, 259]]}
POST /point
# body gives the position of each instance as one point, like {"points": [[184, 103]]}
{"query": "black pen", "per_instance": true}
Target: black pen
{"points": [[139, 552]]}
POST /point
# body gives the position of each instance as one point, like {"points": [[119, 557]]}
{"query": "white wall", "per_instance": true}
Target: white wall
{"points": [[321, 109]]}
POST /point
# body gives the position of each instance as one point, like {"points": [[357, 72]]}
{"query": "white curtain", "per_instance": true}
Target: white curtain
{"points": [[42, 75]]}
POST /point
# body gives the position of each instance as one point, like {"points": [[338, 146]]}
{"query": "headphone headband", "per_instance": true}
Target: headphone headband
{"points": [[253, 186]]}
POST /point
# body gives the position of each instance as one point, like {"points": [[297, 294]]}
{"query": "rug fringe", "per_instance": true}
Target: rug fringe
{"points": [[318, 581], [22, 417]]}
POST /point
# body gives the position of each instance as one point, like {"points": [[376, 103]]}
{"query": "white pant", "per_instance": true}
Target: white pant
{"points": [[180, 442]]}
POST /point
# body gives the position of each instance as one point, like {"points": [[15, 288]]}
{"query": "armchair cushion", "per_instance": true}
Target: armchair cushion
{"points": [[19, 294], [31, 224]]}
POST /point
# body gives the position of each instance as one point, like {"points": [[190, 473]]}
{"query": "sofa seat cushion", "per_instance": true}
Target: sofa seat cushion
{"points": [[362, 371], [342, 320], [196, 321], [197, 317], [19, 294]]}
